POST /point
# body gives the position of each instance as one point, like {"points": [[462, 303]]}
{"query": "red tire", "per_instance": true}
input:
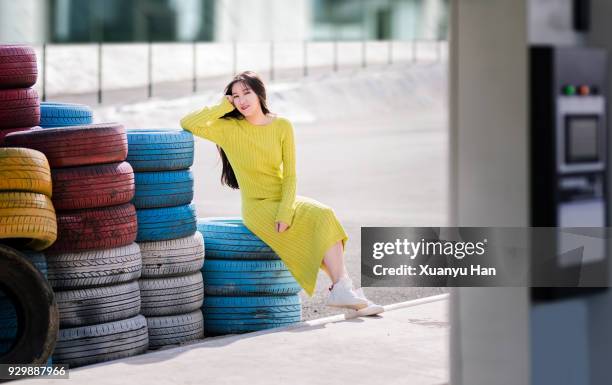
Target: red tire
{"points": [[93, 186], [19, 108], [75, 146], [6, 131], [90, 229], [17, 66]]}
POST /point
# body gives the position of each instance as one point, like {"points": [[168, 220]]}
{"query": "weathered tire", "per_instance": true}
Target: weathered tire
{"points": [[223, 315], [172, 295], [17, 66], [64, 114], [99, 228], [163, 189], [160, 150], [175, 329], [238, 278], [75, 146], [166, 223], [229, 238], [172, 257], [98, 304], [86, 345], [27, 220], [93, 186], [19, 108], [37, 313], [23, 169], [94, 268], [4, 132]]}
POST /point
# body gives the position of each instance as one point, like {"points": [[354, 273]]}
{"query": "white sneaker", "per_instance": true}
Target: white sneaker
{"points": [[342, 295]]}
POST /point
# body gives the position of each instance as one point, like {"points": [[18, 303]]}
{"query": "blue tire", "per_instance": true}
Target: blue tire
{"points": [[163, 189], [224, 315], [166, 223], [160, 150], [64, 114], [229, 238], [234, 278]]}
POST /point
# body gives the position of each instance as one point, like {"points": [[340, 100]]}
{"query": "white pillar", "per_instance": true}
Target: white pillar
{"points": [[23, 21]]}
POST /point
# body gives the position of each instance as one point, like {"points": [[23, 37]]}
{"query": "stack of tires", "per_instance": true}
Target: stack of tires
{"points": [[27, 219], [247, 286], [64, 114], [95, 263], [19, 104], [172, 250]]}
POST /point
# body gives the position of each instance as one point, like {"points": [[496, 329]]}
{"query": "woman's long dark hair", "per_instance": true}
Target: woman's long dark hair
{"points": [[254, 82]]}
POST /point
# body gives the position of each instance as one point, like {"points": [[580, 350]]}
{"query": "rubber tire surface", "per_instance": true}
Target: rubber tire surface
{"points": [[224, 315], [229, 238], [8, 315], [166, 223], [98, 304], [64, 114], [27, 220], [86, 345], [163, 189], [94, 268], [17, 66], [175, 329], [172, 257], [93, 186], [5, 131], [160, 150], [172, 295], [75, 146], [242, 278], [19, 108], [23, 169], [99, 228], [37, 314]]}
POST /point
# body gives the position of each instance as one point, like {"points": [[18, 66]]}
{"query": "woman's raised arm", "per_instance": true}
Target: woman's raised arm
{"points": [[207, 123]]}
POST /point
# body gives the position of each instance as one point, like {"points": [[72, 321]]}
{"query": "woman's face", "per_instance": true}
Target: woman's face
{"points": [[245, 99]]}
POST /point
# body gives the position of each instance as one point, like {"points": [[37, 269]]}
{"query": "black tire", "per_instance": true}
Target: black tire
{"points": [[170, 296], [237, 278], [37, 313], [86, 345], [175, 329], [160, 150], [94, 268], [173, 257], [98, 305], [163, 189]]}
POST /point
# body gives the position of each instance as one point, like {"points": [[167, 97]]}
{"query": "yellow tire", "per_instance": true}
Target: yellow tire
{"points": [[23, 169], [27, 220]]}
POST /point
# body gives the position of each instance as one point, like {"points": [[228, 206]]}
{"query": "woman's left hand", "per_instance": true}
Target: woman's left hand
{"points": [[281, 226]]}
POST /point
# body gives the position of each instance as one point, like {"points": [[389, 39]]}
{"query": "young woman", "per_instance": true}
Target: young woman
{"points": [[257, 150]]}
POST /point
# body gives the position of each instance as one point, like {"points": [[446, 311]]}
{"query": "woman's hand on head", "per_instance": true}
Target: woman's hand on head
{"points": [[281, 226]]}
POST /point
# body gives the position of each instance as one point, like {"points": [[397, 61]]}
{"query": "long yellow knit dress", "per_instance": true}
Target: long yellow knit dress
{"points": [[263, 160]]}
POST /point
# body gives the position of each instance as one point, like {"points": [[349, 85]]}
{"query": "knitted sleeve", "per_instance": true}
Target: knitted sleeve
{"points": [[207, 123], [286, 208]]}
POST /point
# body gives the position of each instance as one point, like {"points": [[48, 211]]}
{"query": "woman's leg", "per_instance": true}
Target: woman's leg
{"points": [[334, 264]]}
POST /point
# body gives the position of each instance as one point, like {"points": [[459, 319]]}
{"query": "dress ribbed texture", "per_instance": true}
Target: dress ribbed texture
{"points": [[263, 160]]}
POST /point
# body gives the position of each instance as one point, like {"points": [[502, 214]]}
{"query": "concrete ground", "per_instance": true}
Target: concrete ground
{"points": [[371, 144], [407, 344]]}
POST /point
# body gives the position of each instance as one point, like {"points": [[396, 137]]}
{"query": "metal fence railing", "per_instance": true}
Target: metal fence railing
{"points": [[97, 69]]}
